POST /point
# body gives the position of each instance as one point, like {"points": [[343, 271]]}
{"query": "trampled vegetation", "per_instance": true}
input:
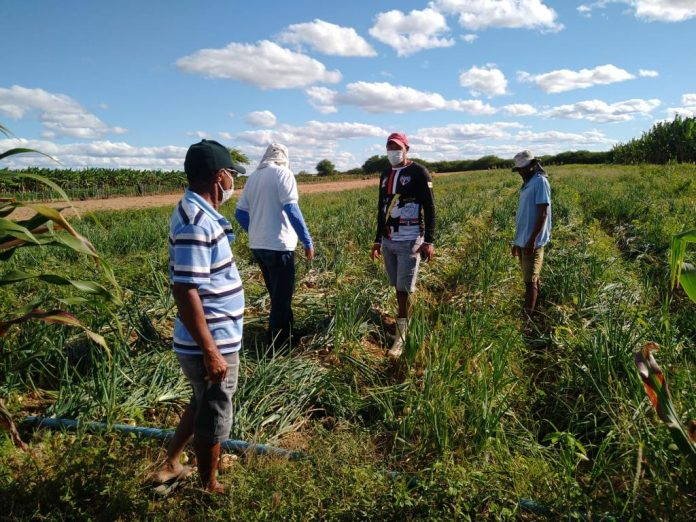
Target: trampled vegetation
{"points": [[481, 420]]}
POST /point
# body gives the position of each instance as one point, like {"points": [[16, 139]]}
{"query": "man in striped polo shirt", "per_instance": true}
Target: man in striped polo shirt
{"points": [[405, 227], [208, 293]]}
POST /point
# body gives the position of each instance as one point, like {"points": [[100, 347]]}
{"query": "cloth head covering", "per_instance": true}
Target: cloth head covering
{"points": [[275, 153]]}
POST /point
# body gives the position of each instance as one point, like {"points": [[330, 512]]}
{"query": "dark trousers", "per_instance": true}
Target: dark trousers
{"points": [[278, 269]]}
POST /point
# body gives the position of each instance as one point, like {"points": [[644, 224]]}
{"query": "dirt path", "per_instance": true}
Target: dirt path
{"points": [[167, 200]]}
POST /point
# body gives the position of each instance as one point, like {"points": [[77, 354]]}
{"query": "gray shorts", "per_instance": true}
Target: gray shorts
{"points": [[401, 262], [212, 402]]}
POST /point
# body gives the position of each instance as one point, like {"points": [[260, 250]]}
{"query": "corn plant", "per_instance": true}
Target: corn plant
{"points": [[681, 272], [46, 227], [656, 387]]}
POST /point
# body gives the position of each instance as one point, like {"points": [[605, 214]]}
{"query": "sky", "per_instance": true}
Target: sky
{"points": [[131, 84]]}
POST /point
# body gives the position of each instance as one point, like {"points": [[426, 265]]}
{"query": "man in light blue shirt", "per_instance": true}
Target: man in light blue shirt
{"points": [[532, 224]]}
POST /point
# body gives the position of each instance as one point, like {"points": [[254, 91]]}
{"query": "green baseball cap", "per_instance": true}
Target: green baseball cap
{"points": [[206, 157]]}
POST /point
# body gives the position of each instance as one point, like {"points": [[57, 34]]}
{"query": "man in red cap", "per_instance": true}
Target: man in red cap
{"points": [[405, 227]]}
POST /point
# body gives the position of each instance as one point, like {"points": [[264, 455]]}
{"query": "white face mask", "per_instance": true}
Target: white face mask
{"points": [[226, 194], [395, 157]]}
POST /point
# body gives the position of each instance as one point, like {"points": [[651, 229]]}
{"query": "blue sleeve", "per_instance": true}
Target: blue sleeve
{"points": [[242, 217], [543, 192], [297, 221]]}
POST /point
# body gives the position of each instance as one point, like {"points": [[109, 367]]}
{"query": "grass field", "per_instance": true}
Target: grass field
{"points": [[480, 421]]}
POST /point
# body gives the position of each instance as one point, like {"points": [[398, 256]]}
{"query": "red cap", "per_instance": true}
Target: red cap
{"points": [[398, 137]]}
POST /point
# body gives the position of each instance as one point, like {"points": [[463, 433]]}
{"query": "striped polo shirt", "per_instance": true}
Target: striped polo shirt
{"points": [[200, 254]]}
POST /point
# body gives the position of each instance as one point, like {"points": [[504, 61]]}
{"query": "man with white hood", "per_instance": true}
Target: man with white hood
{"points": [[268, 210]]}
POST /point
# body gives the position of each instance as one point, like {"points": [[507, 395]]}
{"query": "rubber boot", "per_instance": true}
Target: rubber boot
{"points": [[398, 347]]}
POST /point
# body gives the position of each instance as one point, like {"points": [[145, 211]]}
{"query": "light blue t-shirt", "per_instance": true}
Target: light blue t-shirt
{"points": [[535, 192], [200, 254]]}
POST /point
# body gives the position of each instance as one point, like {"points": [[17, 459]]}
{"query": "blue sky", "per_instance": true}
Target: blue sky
{"points": [[133, 83]]}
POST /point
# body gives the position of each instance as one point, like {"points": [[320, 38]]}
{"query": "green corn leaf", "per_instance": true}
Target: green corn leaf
{"points": [[89, 287], [678, 252], [655, 384], [21, 150], [55, 216], [687, 279], [45, 181], [54, 317], [11, 229]]}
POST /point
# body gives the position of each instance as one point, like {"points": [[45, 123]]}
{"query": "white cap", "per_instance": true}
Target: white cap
{"points": [[522, 159]]}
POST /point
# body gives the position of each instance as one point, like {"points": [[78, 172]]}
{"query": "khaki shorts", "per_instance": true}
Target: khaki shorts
{"points": [[531, 265], [211, 402]]}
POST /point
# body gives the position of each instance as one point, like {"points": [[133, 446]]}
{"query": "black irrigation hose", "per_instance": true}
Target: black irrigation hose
{"points": [[158, 433]]}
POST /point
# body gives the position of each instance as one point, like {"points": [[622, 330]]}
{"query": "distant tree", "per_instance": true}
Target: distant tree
{"points": [[325, 168], [239, 157], [376, 164], [355, 172]]}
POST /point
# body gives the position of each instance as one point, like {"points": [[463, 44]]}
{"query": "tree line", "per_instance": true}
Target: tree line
{"points": [[666, 141]]}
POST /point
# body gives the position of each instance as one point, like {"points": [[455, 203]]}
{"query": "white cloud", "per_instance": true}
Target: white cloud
{"points": [[469, 38], [413, 32], [461, 132], [322, 99], [684, 112], [650, 10], [261, 119], [647, 73], [689, 100], [519, 109], [59, 114], [385, 97], [512, 14], [264, 64], [198, 134], [593, 137], [311, 142], [564, 80], [504, 139], [327, 38], [312, 133], [104, 154], [487, 80], [665, 10], [602, 112], [688, 108]]}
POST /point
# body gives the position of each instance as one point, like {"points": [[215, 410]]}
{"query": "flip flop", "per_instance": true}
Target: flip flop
{"points": [[164, 488]]}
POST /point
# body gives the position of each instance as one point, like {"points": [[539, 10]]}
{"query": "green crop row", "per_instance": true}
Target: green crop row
{"points": [[482, 420]]}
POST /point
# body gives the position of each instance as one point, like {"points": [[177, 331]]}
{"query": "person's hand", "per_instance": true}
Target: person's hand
{"points": [[376, 250], [309, 253], [215, 366], [529, 248], [427, 251], [515, 251]]}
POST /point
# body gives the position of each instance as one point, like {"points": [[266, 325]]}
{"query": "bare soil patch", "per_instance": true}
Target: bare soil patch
{"points": [[167, 200]]}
